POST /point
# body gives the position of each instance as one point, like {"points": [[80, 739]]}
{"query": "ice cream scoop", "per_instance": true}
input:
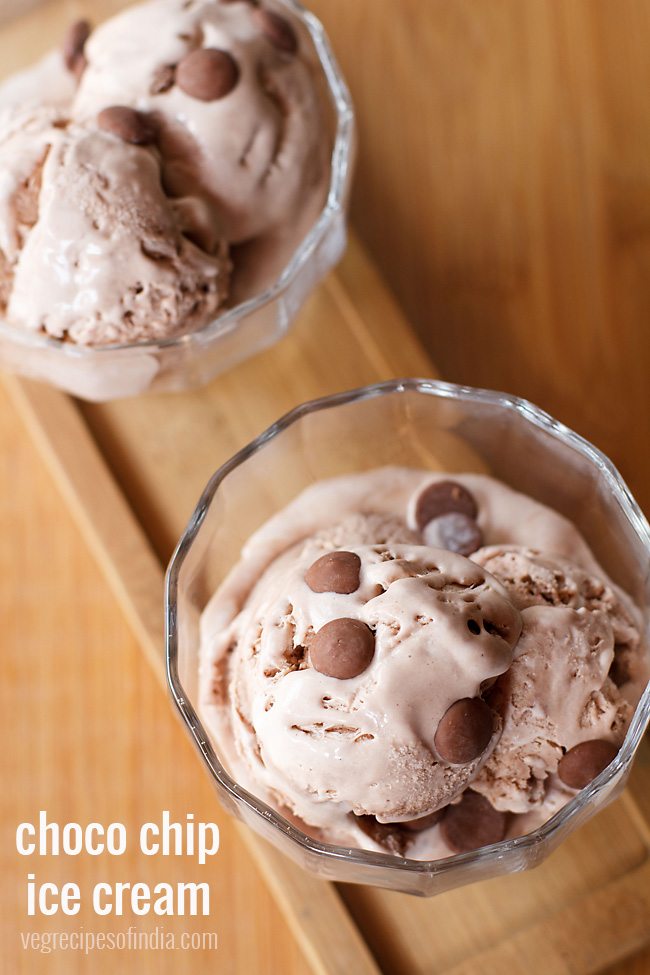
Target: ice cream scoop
{"points": [[368, 701], [145, 158], [389, 693], [558, 700], [231, 86], [111, 252]]}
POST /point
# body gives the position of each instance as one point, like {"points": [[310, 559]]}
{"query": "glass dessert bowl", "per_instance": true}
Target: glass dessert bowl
{"points": [[412, 425], [228, 282]]}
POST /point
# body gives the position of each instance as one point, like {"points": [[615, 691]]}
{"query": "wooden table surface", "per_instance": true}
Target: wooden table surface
{"points": [[70, 660], [519, 245], [503, 190]]}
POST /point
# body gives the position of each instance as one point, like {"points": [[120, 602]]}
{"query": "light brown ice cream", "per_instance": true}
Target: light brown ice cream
{"points": [[559, 691], [365, 745], [397, 696], [255, 154], [108, 250], [133, 162]]}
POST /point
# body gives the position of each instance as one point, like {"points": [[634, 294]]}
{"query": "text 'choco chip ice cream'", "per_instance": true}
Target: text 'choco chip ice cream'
{"points": [[418, 664], [136, 157]]}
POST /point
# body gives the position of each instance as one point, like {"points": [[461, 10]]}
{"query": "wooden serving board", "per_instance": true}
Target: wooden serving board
{"points": [[131, 473]]}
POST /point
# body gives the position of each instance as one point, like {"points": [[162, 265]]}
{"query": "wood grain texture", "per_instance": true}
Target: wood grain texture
{"points": [[503, 189], [468, 929], [214, 422], [91, 737], [329, 939], [487, 924], [509, 208]]}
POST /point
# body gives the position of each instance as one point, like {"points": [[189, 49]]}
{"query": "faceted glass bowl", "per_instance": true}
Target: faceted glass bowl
{"points": [[422, 424], [114, 371]]}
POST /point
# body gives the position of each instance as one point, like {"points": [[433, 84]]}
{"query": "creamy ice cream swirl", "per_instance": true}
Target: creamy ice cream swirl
{"points": [[367, 744], [394, 695], [157, 168]]}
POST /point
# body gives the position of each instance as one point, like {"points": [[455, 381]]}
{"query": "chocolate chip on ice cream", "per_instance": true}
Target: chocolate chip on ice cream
{"points": [[390, 836], [207, 74], [127, 124], [585, 761], [400, 697], [334, 572], [454, 531], [74, 43], [464, 731], [472, 823], [441, 498], [342, 648]]}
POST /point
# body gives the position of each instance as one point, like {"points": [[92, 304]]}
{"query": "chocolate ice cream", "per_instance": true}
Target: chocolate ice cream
{"points": [[561, 691], [387, 692], [156, 169]]}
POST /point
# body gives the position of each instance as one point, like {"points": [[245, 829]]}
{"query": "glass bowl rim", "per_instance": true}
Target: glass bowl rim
{"points": [[430, 868], [341, 159]]}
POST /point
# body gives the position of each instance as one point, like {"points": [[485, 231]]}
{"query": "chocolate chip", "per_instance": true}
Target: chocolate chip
{"points": [[388, 835], [342, 648], [127, 124], [440, 498], [334, 572], [622, 668], [73, 45], [80, 67], [277, 29], [163, 79], [424, 822], [455, 532], [498, 696], [585, 761], [464, 731], [472, 823], [207, 74]]}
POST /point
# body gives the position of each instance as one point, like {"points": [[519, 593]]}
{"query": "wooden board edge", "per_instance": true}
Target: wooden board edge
{"points": [[317, 904], [357, 283], [134, 573], [98, 507], [329, 938], [597, 931]]}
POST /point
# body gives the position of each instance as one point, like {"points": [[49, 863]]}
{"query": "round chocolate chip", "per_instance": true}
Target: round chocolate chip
{"points": [[388, 835], [424, 822], [585, 761], [472, 823], [74, 43], [334, 572], [127, 124], [207, 74], [440, 498], [464, 731], [342, 648], [455, 532], [277, 29]]}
